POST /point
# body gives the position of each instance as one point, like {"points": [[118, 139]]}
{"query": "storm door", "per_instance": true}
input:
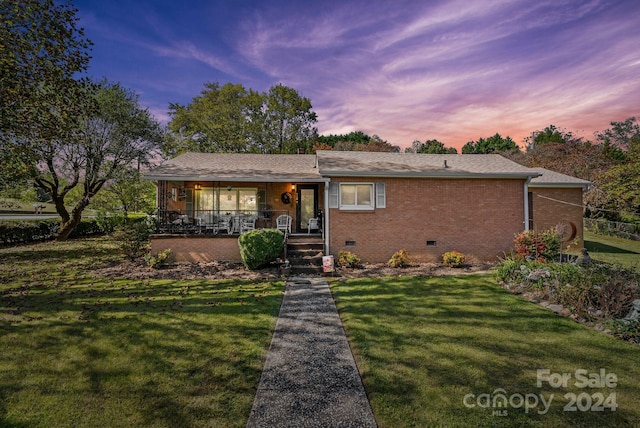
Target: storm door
{"points": [[307, 206]]}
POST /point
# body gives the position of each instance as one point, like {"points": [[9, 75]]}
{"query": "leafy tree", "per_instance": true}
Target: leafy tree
{"points": [[354, 141], [562, 151], [231, 119], [128, 193], [620, 134], [41, 50], [111, 137], [218, 120], [288, 124], [494, 144], [550, 134], [430, 147], [621, 183]]}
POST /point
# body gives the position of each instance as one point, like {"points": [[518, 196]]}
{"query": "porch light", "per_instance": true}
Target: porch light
{"points": [[293, 187], [197, 186], [229, 188]]}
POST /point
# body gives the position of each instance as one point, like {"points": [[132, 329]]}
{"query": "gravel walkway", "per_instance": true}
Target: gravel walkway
{"points": [[310, 378]]}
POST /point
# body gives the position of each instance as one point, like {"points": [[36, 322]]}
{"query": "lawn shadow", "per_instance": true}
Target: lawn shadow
{"points": [[598, 247]]}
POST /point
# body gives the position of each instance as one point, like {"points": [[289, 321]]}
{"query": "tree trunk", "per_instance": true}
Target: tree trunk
{"points": [[68, 226]]}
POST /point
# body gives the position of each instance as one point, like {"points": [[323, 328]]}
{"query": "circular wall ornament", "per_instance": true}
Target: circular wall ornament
{"points": [[286, 198]]}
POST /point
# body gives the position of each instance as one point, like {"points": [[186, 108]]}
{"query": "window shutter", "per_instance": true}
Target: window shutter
{"points": [[333, 195], [381, 195]]}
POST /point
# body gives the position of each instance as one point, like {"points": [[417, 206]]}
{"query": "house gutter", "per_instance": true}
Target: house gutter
{"points": [[526, 203]]}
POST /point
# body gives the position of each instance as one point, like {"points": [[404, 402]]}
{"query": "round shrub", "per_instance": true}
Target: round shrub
{"points": [[399, 259], [453, 258], [260, 247], [536, 245], [348, 259]]}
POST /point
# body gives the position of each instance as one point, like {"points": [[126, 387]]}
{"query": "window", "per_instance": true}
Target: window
{"points": [[224, 200], [356, 196]]}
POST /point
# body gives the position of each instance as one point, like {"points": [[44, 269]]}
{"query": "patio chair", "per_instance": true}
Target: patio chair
{"points": [[313, 224], [283, 223], [247, 224], [223, 223]]}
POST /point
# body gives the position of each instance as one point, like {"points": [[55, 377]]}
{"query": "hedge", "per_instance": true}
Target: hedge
{"points": [[25, 231]]}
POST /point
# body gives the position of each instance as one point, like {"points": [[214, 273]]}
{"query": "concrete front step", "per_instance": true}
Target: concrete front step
{"points": [[305, 254], [313, 261], [306, 269]]}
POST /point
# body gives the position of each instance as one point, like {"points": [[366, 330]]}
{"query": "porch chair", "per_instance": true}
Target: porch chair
{"points": [[313, 224], [247, 224], [223, 223], [283, 223]]}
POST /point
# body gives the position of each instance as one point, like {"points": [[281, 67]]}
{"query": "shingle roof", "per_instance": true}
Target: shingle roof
{"points": [[315, 168], [237, 167], [555, 179], [334, 163]]}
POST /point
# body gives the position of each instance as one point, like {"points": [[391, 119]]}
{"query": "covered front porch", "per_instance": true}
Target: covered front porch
{"points": [[223, 210], [232, 207], [209, 199]]}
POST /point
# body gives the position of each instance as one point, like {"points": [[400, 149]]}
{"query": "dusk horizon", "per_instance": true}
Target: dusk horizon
{"points": [[454, 71]]}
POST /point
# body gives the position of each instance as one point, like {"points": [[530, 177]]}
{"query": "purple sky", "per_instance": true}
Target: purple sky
{"points": [[404, 70]]}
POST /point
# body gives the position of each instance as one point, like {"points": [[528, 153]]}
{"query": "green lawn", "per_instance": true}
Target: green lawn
{"points": [[612, 249], [424, 344], [79, 350]]}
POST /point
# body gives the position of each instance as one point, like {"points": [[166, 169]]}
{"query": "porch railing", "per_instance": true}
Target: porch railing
{"points": [[214, 222]]}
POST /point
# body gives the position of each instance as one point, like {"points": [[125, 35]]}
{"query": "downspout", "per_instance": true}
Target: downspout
{"points": [[325, 227], [526, 203]]}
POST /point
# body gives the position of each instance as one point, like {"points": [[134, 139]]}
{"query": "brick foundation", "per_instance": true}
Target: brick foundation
{"points": [[190, 248]]}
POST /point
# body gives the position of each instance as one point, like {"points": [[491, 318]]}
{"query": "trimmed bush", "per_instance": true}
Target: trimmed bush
{"points": [[156, 261], [134, 239], [453, 258], [25, 231], [399, 259], [347, 259], [260, 247], [534, 245]]}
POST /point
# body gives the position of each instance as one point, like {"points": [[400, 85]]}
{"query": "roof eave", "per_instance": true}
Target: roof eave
{"points": [[429, 175], [561, 185], [236, 179]]}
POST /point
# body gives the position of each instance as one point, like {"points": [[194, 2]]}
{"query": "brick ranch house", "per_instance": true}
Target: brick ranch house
{"points": [[369, 203]]}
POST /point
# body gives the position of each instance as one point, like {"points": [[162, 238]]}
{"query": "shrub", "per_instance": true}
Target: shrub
{"points": [[156, 261], [24, 231], [535, 245], [399, 259], [348, 259], [628, 330], [110, 222], [260, 247], [453, 258], [134, 239], [598, 291]]}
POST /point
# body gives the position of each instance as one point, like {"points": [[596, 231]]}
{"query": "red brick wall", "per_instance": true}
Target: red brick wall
{"points": [[198, 249], [478, 217], [552, 206]]}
